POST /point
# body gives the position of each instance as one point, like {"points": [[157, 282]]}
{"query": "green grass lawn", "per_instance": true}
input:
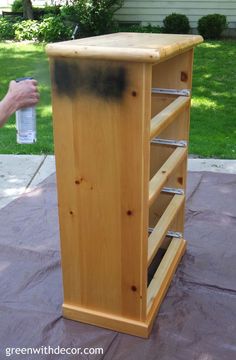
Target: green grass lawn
{"points": [[213, 115], [18, 60]]}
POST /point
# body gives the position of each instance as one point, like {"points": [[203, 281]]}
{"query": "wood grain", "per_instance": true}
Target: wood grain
{"points": [[104, 194], [151, 48], [109, 177]]}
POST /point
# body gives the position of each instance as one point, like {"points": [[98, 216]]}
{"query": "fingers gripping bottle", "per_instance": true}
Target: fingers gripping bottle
{"points": [[26, 122]]}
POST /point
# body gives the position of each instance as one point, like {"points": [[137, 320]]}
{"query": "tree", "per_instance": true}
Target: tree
{"points": [[94, 17], [28, 9]]}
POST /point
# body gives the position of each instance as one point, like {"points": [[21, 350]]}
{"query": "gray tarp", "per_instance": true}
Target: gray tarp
{"points": [[197, 320]]}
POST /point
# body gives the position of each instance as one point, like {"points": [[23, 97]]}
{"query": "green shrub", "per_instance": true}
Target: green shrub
{"points": [[40, 13], [93, 17], [53, 28], [17, 6], [27, 30], [176, 24], [138, 28], [212, 26], [7, 31], [52, 9], [50, 29]]}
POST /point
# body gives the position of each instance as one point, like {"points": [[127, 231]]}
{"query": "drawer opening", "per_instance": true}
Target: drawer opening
{"points": [[154, 264], [174, 73], [165, 215], [164, 116], [161, 272], [167, 173], [176, 128]]}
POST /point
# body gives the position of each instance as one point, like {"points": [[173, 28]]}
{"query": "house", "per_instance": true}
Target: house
{"points": [[5, 5], [153, 12]]}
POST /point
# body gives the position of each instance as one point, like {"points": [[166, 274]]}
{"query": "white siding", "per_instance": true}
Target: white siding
{"points": [[154, 12]]}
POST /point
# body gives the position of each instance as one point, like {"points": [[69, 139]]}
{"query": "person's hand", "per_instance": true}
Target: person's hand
{"points": [[23, 94], [20, 95]]}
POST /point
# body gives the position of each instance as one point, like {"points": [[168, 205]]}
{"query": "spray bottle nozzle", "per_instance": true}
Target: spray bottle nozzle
{"points": [[24, 78]]}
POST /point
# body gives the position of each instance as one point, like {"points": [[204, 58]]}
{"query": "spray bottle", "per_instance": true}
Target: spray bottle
{"points": [[26, 122]]}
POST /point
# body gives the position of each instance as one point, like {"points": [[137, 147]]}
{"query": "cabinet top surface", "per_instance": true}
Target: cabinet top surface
{"points": [[150, 48]]}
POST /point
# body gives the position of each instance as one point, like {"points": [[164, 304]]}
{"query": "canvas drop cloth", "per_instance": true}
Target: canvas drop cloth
{"points": [[197, 320]]}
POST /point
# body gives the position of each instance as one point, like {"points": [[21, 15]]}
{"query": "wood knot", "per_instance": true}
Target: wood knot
{"points": [[129, 212], [184, 76], [77, 182], [180, 180], [134, 93], [133, 288]]}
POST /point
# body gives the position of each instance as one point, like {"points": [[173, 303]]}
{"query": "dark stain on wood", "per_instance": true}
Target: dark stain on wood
{"points": [[106, 82]]}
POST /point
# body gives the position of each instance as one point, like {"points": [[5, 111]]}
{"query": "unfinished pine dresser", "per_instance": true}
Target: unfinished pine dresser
{"points": [[121, 107]]}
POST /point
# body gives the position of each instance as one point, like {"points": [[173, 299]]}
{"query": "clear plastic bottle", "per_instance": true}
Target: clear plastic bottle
{"points": [[26, 123]]}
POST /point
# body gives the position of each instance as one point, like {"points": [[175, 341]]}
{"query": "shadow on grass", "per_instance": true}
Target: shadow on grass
{"points": [[214, 73]]}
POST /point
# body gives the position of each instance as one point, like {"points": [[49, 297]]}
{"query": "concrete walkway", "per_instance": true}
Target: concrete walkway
{"points": [[22, 173]]}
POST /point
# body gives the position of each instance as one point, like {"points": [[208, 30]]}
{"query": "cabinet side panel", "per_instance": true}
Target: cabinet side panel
{"points": [[102, 172]]}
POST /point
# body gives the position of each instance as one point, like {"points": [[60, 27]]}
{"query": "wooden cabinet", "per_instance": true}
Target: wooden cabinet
{"points": [[121, 122]]}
